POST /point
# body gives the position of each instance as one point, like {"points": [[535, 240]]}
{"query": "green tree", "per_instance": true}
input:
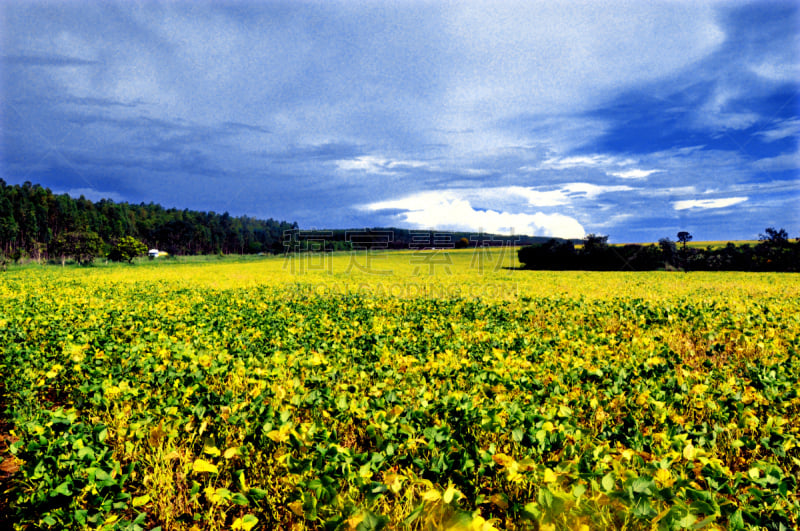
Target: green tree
{"points": [[668, 251], [83, 246], [777, 237], [126, 249], [684, 237]]}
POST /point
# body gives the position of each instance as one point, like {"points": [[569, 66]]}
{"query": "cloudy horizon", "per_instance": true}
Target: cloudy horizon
{"points": [[632, 119]]}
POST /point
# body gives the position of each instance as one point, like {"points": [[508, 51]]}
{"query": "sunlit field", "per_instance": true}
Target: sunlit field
{"points": [[399, 390]]}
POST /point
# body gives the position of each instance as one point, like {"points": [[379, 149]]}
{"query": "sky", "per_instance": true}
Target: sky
{"points": [[631, 119]]}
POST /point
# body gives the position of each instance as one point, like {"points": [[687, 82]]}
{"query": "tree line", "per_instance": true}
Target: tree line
{"points": [[774, 252], [36, 223]]}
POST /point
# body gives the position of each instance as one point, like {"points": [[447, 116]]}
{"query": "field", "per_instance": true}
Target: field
{"points": [[405, 390]]}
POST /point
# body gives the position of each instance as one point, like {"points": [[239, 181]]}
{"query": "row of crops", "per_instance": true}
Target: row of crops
{"points": [[156, 403]]}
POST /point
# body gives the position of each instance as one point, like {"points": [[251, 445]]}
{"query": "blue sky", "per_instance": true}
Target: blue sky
{"points": [[627, 118]]}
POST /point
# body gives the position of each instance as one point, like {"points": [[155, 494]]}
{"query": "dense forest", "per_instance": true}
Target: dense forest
{"points": [[33, 219], [773, 252]]}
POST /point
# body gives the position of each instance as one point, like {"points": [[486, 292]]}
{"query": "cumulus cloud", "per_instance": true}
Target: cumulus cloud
{"points": [[448, 211], [707, 203]]}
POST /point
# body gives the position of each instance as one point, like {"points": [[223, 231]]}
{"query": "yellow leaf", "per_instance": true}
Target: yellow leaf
{"points": [[689, 452], [663, 477], [201, 465], [231, 452], [245, 523], [297, 508], [172, 455], [353, 521], [550, 476], [451, 493], [699, 389], [503, 459], [140, 500], [432, 496], [627, 454], [213, 451]]}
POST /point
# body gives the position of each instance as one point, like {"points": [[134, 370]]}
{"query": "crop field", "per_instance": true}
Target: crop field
{"points": [[398, 390]]}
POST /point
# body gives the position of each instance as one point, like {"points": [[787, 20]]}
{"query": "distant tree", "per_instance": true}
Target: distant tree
{"points": [[775, 237], [669, 251], [126, 249], [462, 243], [776, 253], [594, 242], [8, 225], [83, 246], [684, 237], [553, 254], [595, 254]]}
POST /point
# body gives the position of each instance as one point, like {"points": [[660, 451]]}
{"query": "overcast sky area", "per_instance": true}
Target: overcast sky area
{"points": [[557, 118]]}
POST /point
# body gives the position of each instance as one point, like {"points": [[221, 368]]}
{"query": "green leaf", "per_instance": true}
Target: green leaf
{"points": [[239, 499], [62, 489], [257, 494], [642, 486], [545, 498], [608, 482], [248, 522], [372, 522], [736, 522]]}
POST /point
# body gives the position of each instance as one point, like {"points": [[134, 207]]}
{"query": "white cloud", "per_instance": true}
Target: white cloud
{"points": [[633, 174], [591, 191], [564, 195], [719, 112], [669, 191], [787, 161], [92, 194], [504, 197], [774, 69], [366, 163], [563, 163], [447, 211], [782, 130], [707, 203], [373, 164]]}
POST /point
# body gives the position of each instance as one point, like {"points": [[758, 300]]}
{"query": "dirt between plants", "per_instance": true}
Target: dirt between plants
{"points": [[8, 463]]}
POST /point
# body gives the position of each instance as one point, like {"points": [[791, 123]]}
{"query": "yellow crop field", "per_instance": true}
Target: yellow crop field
{"points": [[398, 390]]}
